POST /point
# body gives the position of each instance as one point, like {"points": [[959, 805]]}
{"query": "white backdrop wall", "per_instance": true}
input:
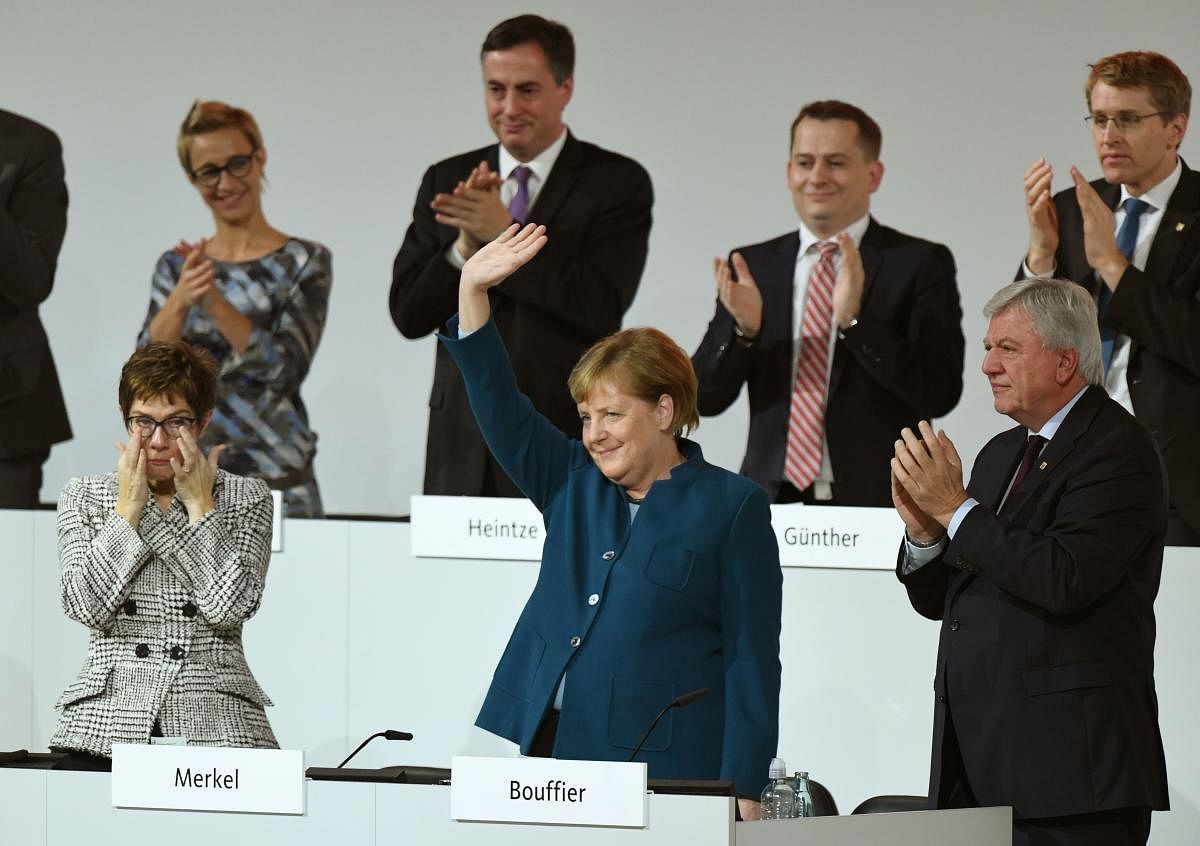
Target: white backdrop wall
{"points": [[356, 99]]}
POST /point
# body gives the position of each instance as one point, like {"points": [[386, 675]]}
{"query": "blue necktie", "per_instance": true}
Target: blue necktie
{"points": [[1127, 237]]}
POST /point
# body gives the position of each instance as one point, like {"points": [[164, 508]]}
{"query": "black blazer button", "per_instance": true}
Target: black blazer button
{"points": [[176, 653], [142, 651], [190, 609], [130, 607], [954, 625]]}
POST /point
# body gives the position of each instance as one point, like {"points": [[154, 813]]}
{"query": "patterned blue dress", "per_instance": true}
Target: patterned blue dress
{"points": [[259, 415]]}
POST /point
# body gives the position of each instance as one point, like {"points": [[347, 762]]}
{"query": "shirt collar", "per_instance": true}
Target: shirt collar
{"points": [[541, 164], [855, 230], [1158, 196], [1051, 426]]}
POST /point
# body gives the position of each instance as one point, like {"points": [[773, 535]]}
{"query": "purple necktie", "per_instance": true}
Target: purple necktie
{"points": [[518, 206]]}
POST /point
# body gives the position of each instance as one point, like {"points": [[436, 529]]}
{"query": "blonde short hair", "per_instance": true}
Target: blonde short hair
{"points": [[209, 116], [643, 362]]}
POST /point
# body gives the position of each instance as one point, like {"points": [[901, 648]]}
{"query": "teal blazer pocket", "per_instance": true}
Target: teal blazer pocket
{"points": [[671, 567], [519, 665]]}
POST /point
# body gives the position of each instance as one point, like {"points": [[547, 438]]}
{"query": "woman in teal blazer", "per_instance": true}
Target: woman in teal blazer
{"points": [[660, 572]]}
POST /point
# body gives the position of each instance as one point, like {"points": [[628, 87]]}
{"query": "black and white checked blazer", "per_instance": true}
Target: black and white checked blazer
{"points": [[164, 607]]}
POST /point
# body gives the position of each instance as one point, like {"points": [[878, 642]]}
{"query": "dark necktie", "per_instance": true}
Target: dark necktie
{"points": [[518, 206], [1033, 448], [1127, 237]]}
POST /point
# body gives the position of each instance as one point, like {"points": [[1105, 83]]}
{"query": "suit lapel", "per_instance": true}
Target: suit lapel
{"points": [[988, 486], [872, 259], [558, 185], [778, 280], [1181, 214], [1073, 427]]}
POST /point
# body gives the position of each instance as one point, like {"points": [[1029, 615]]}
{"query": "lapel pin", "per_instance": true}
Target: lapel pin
{"points": [[1178, 227], [1042, 466]]}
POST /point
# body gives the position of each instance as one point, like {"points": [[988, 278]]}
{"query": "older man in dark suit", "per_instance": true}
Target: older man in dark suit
{"points": [[33, 219], [595, 202], [843, 330], [1044, 573], [1132, 239]]}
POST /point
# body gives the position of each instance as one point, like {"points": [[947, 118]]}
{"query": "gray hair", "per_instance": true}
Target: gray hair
{"points": [[1064, 315]]}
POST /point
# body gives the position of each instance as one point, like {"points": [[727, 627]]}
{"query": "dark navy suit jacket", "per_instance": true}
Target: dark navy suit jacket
{"points": [[902, 362], [1159, 309], [33, 220], [596, 208], [1046, 657], [688, 596]]}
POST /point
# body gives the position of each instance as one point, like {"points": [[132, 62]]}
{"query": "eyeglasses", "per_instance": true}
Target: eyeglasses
{"points": [[1124, 122], [237, 166], [146, 426]]}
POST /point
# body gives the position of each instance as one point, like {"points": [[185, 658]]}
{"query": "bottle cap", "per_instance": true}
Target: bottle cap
{"points": [[778, 768]]}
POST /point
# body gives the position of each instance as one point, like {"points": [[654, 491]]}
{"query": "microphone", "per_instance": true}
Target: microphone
{"points": [[681, 701], [389, 734]]}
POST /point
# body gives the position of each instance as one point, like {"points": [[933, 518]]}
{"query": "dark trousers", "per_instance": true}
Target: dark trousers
{"points": [[21, 479], [543, 742], [1121, 827]]}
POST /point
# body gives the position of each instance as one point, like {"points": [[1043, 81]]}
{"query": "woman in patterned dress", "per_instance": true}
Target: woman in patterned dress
{"points": [[163, 561], [253, 297]]}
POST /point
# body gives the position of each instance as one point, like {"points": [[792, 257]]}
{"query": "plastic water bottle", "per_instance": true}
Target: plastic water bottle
{"points": [[804, 801], [778, 797]]}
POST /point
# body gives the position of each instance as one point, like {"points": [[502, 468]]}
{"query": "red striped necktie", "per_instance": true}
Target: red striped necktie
{"points": [[806, 421]]}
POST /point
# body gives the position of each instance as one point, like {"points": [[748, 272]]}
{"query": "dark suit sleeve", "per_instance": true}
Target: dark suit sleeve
{"points": [[751, 605], [920, 358], [1158, 316], [1103, 521], [589, 288], [926, 585], [723, 363], [424, 290], [33, 225]]}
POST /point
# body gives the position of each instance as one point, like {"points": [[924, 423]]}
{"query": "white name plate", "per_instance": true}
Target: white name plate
{"points": [[837, 536], [502, 529], [547, 790], [208, 778], [512, 530]]}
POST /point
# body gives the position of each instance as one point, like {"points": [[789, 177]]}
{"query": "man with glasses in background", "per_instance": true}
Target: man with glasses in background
{"points": [[596, 205], [1133, 239]]}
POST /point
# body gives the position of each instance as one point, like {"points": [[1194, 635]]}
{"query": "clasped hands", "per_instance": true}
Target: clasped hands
{"points": [[1099, 238], [927, 486], [193, 477], [475, 209], [197, 284], [743, 299]]}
